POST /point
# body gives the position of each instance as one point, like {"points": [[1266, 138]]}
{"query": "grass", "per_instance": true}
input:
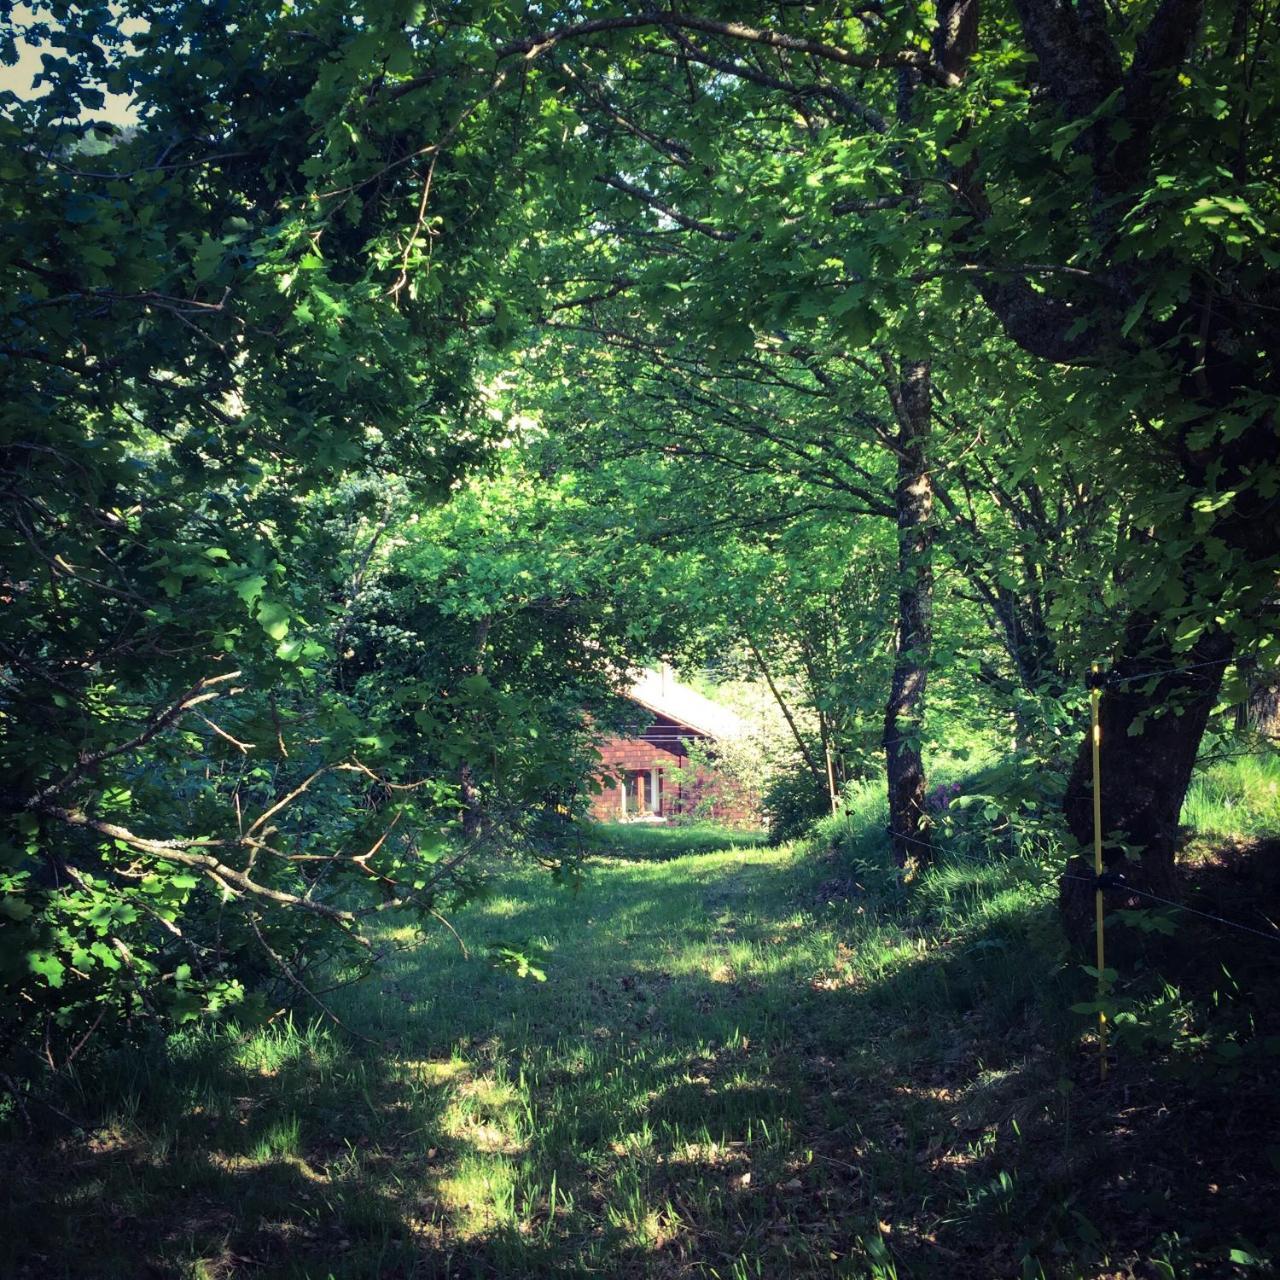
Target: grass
{"points": [[652, 841], [744, 1062], [1238, 797]]}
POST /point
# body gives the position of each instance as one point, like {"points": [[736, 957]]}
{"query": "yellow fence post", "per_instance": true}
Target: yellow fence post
{"points": [[1095, 693]]}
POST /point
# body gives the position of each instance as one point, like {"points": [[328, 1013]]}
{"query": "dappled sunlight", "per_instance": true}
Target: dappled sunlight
{"points": [[486, 1114], [436, 1072], [402, 935], [391, 393], [478, 1194], [500, 907], [263, 1157], [786, 1083]]}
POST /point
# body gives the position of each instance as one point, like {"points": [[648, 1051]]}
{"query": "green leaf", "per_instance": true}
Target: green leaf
{"points": [[96, 255], [274, 618], [14, 908], [250, 588], [208, 259], [47, 966], [1134, 314]]}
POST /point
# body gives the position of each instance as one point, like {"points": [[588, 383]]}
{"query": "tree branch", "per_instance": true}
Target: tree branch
{"points": [[159, 722], [532, 46], [654, 202], [185, 853]]}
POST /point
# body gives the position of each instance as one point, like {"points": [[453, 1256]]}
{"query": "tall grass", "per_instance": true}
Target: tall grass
{"points": [[744, 1061], [1239, 797]]}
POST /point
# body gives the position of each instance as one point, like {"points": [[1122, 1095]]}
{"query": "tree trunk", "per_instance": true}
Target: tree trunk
{"points": [[1151, 731], [911, 394], [1257, 714], [469, 796], [1260, 711], [468, 791]]}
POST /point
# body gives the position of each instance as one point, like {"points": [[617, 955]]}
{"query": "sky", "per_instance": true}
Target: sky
{"points": [[116, 110]]}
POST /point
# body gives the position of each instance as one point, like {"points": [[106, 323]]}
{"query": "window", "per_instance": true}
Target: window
{"points": [[642, 792]]}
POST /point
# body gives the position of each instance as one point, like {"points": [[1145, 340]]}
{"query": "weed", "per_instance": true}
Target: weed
{"points": [[1238, 797]]}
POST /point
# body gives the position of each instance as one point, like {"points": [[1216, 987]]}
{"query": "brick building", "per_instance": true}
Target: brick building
{"points": [[648, 775]]}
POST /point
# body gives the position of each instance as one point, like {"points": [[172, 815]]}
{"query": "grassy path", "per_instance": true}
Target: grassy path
{"points": [[742, 1063]]}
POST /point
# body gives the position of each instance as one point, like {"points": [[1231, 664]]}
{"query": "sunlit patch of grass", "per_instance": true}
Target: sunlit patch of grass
{"points": [[282, 1139], [481, 1194], [1239, 797], [439, 1071], [284, 1044], [486, 1115], [500, 905], [729, 1071], [401, 935], [660, 841]]}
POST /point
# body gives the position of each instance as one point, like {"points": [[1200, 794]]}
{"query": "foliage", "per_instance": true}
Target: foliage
{"points": [[746, 763], [224, 331], [792, 802], [718, 1024], [398, 378], [1235, 797]]}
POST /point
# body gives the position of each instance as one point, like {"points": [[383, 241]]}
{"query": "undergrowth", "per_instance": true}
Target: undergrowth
{"points": [[742, 1062], [1236, 797]]}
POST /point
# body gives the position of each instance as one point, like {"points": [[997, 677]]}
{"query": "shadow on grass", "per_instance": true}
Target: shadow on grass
{"points": [[725, 1075], [219, 1156]]}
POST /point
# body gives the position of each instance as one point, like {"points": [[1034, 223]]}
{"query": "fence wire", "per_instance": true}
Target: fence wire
{"points": [[1108, 680], [1122, 887]]}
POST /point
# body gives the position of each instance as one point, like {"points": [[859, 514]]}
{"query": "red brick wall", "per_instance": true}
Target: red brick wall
{"points": [[662, 746]]}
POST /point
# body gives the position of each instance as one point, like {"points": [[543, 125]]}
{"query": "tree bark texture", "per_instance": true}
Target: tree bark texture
{"points": [[1151, 731], [1262, 711], [468, 790], [911, 394]]}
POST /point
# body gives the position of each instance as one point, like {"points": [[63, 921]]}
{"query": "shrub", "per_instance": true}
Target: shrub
{"points": [[792, 803]]}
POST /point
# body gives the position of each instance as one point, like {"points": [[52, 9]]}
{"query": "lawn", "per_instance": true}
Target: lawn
{"points": [[654, 841], [743, 1062]]}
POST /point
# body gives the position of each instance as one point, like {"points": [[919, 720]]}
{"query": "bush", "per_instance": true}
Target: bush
{"points": [[792, 803]]}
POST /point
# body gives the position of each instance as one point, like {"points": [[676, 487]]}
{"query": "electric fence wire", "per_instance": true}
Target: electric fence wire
{"points": [[1121, 886], [1124, 887], [1110, 678]]}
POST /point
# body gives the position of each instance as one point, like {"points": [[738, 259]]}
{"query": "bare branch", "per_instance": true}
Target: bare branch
{"points": [[200, 692], [297, 982], [245, 747], [533, 46], [188, 853], [655, 202]]}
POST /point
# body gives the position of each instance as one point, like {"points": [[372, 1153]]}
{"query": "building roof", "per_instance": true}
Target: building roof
{"points": [[661, 693]]}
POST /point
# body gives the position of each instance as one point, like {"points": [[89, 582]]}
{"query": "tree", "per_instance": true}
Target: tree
{"points": [[1102, 179], [211, 329], [221, 333]]}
